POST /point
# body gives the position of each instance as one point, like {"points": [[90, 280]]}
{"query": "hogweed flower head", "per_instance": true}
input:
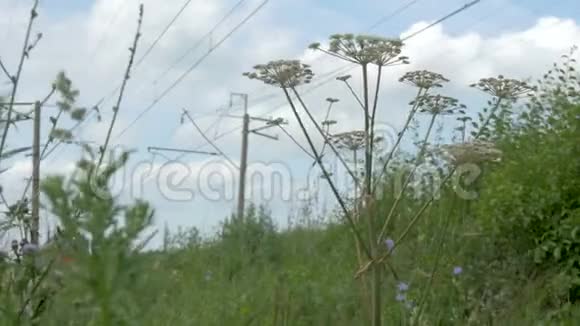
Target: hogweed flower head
{"points": [[282, 73], [477, 151], [423, 79], [504, 88], [439, 105], [352, 140], [365, 49]]}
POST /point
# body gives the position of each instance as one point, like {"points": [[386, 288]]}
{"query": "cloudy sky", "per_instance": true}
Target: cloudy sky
{"points": [[89, 41]]}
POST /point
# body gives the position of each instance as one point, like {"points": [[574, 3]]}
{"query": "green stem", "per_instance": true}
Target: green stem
{"points": [[399, 137], [373, 116], [325, 137], [122, 90], [16, 79], [341, 203], [443, 182], [407, 180]]}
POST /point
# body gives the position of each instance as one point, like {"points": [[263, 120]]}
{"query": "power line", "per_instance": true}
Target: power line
{"points": [[397, 11], [200, 41], [103, 36], [349, 67], [192, 67], [442, 19], [165, 30], [209, 141], [149, 50], [380, 21], [333, 73]]}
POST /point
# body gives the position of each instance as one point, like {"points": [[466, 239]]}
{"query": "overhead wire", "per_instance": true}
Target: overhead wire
{"points": [[330, 76], [142, 58], [191, 68]]}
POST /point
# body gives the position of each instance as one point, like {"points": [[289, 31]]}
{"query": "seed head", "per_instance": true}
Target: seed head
{"points": [[473, 152], [365, 49], [439, 105], [352, 140], [282, 73], [423, 79], [504, 88]]}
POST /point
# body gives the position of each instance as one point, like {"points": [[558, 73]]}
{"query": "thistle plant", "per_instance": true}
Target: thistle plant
{"points": [[106, 266]]}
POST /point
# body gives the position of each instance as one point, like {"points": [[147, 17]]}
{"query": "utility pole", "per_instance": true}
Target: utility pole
{"points": [[244, 157], [34, 230], [246, 118]]}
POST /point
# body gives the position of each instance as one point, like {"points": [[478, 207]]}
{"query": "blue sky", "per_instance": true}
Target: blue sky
{"points": [[89, 40]]}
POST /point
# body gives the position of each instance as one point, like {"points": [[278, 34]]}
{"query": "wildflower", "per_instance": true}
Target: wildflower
{"points": [[504, 88], [423, 79], [364, 49], [439, 105], [403, 287], [401, 297], [282, 73], [457, 270], [473, 152], [208, 276], [29, 249], [390, 243]]}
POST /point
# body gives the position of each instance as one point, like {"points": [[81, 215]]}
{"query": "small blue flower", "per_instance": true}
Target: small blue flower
{"points": [[390, 243], [403, 286], [29, 249], [457, 270], [401, 297]]}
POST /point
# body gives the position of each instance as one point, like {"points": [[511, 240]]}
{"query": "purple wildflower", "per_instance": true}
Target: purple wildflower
{"points": [[403, 286], [29, 249], [401, 297], [390, 243], [457, 270]]}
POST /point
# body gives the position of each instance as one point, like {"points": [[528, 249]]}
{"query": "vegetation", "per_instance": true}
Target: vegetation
{"points": [[408, 248]]}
